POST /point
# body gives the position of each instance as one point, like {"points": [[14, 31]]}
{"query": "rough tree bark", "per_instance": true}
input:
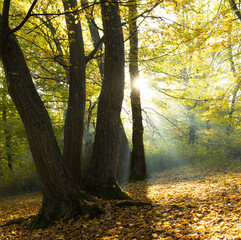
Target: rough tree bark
{"points": [[61, 197], [138, 162], [74, 122], [124, 153], [101, 173]]}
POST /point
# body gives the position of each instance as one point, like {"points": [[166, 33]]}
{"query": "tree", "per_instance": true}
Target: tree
{"points": [[235, 90], [74, 123], [94, 33], [138, 162], [101, 174], [233, 69], [61, 197], [123, 159]]}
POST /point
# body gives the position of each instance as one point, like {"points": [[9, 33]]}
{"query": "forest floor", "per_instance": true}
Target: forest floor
{"points": [[185, 204]]}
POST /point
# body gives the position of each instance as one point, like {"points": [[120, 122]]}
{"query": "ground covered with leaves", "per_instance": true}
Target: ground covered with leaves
{"points": [[184, 204]]}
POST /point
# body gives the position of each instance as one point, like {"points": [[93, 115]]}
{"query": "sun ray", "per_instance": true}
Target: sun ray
{"points": [[140, 84]]}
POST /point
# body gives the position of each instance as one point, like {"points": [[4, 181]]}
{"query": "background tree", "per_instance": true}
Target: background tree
{"points": [[138, 162]]}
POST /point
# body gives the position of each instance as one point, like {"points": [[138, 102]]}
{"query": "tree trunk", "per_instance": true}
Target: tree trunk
{"points": [[94, 33], [75, 74], [124, 153], [61, 198], [236, 88], [101, 173], [192, 128], [138, 162], [74, 122]]}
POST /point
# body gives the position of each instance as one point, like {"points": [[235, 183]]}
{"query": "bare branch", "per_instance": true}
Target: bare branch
{"points": [[25, 19], [235, 9], [184, 98], [165, 118], [91, 55], [78, 10]]}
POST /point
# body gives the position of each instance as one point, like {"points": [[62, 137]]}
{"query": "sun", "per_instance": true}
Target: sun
{"points": [[140, 84], [146, 92]]}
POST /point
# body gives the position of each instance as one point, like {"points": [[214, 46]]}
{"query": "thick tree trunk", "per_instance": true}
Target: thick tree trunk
{"points": [[124, 153], [101, 176], [61, 198], [74, 122], [138, 162]]}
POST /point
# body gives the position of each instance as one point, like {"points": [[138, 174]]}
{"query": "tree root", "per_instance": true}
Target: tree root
{"points": [[109, 191], [132, 203], [51, 212], [15, 221]]}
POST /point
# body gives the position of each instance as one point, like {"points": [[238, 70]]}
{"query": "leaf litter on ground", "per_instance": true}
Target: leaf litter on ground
{"points": [[182, 203]]}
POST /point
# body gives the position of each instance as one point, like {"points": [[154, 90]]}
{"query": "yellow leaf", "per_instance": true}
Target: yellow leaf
{"points": [[166, 224], [200, 229], [154, 235]]}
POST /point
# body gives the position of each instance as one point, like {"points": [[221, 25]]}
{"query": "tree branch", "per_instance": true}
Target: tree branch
{"points": [[25, 19], [166, 119], [144, 12], [91, 55], [235, 9], [184, 98], [78, 10]]}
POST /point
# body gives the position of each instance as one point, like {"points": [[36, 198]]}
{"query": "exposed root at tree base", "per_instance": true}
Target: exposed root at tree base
{"points": [[109, 191], [134, 177], [132, 203], [15, 221], [51, 212]]}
